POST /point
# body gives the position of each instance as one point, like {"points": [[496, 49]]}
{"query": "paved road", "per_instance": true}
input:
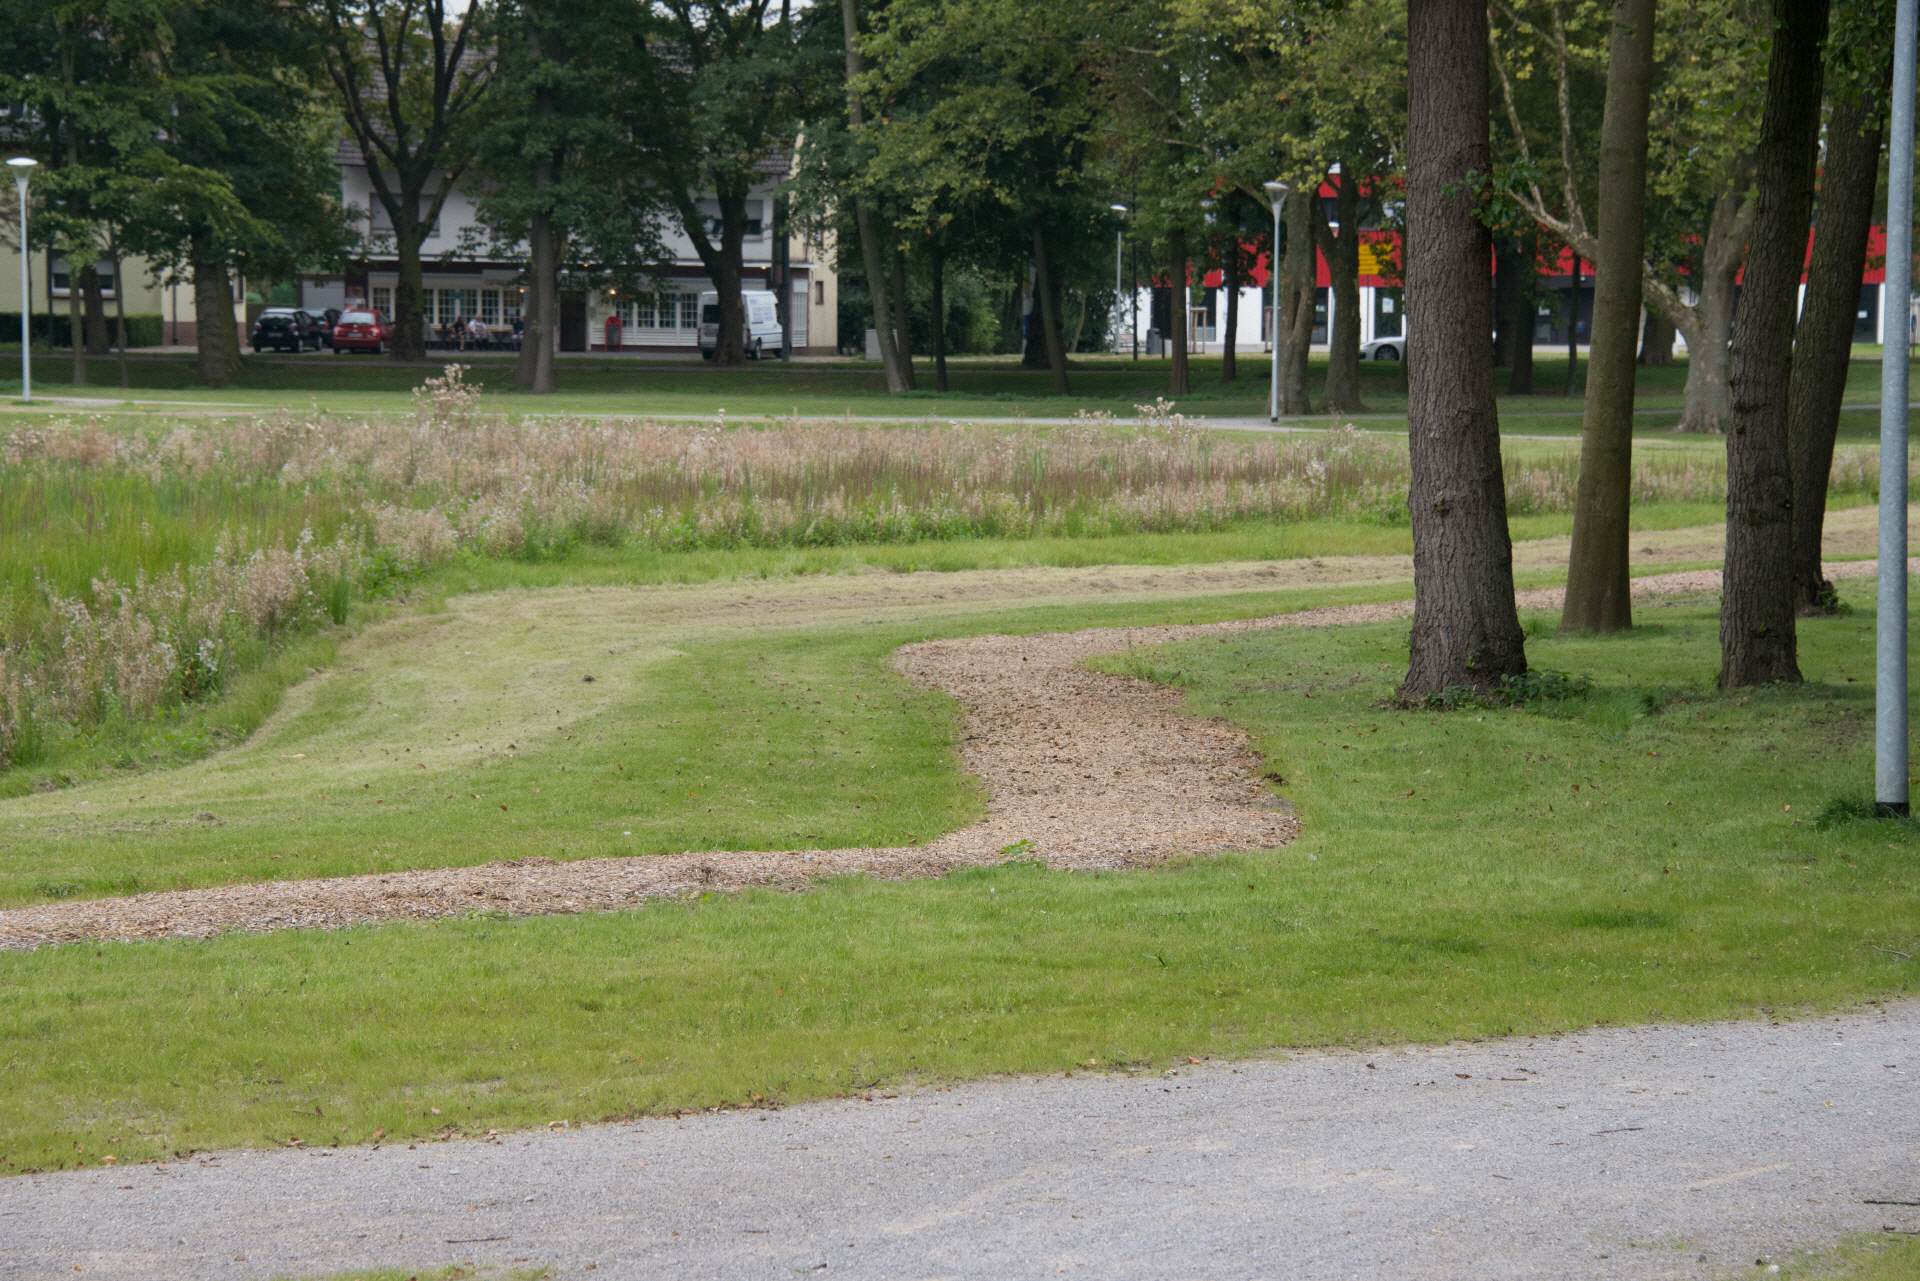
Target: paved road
{"points": [[1649, 1153]]}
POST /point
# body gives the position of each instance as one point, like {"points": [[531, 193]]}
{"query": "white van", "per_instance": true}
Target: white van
{"points": [[761, 331]]}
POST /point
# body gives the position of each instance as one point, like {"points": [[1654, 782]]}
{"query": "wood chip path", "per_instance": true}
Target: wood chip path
{"points": [[1082, 771]]}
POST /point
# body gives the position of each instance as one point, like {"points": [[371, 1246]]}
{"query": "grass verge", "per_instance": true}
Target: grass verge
{"points": [[1645, 850]]}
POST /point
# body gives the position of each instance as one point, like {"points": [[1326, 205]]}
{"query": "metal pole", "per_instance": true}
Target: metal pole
{"points": [[1119, 240], [26, 333], [1890, 665], [1273, 314]]}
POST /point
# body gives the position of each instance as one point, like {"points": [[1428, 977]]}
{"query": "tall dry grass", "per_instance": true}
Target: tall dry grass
{"points": [[149, 566]]}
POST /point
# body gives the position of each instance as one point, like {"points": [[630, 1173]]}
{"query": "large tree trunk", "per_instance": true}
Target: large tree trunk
{"points": [[1343, 268], [98, 344], [937, 270], [534, 370], [1708, 403], [1177, 375], [1296, 304], [1824, 341], [1598, 595], [76, 324], [1230, 283], [1466, 631], [1756, 602], [409, 323], [119, 309], [1656, 341], [1047, 299], [217, 346], [1518, 319]]}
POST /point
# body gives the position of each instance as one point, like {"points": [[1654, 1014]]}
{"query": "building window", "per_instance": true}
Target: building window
{"points": [[490, 306], [510, 300], [689, 311], [646, 311], [383, 300], [819, 293], [61, 274]]}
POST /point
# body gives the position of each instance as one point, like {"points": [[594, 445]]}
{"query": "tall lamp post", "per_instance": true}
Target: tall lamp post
{"points": [[1890, 754], [1276, 196], [1119, 245], [23, 167]]}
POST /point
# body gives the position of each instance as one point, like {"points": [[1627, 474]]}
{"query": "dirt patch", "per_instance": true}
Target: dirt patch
{"points": [[1082, 771]]}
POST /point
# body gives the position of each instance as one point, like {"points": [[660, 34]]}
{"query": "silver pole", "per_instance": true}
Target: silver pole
{"points": [[1273, 315], [26, 334], [1890, 666]]}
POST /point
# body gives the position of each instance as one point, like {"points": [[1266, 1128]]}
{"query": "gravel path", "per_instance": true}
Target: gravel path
{"points": [[1670, 1152], [1082, 771]]}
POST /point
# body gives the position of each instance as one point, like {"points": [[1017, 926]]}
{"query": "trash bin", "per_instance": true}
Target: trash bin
{"points": [[1156, 345]]}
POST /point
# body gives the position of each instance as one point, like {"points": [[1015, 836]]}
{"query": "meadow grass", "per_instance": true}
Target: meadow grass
{"points": [[1881, 1257], [1647, 849]]}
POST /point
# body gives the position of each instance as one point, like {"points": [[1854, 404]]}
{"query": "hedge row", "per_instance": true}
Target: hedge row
{"points": [[143, 329]]}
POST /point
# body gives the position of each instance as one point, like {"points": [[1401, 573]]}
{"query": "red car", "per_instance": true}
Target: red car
{"points": [[360, 331]]}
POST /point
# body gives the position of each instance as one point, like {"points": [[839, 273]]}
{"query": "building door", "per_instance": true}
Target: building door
{"points": [[573, 320]]}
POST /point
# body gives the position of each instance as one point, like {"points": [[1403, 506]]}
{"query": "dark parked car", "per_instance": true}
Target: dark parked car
{"points": [[360, 330], [287, 329]]}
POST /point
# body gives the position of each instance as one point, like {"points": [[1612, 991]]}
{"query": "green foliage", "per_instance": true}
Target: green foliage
{"points": [[144, 329]]}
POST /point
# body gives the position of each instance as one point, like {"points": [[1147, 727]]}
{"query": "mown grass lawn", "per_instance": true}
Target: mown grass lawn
{"points": [[1650, 850], [985, 387]]}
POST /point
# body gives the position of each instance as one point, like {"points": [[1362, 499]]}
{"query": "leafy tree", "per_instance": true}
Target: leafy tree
{"points": [[563, 154], [411, 80], [721, 82]]}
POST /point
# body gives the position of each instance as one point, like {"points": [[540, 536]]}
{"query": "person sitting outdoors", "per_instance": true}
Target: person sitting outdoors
{"points": [[519, 332], [477, 330]]}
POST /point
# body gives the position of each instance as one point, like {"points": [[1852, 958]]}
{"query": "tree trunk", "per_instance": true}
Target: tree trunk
{"points": [[217, 346], [1573, 328], [1343, 267], [1823, 343], [1756, 601], [76, 325], [1296, 303], [1599, 598], [1466, 631], [534, 370], [1521, 319], [95, 303], [1048, 302], [1708, 403], [1656, 341], [897, 380], [902, 331], [119, 308], [1033, 343], [409, 324], [1177, 376], [1230, 281], [937, 270]]}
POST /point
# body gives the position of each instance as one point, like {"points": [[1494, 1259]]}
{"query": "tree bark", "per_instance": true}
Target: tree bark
{"points": [[1049, 303], [1823, 344], [1599, 598], [1296, 303], [1757, 643], [76, 325], [1177, 265], [897, 380], [1708, 324], [540, 318], [409, 323], [1656, 341], [937, 270], [119, 308], [1230, 283], [95, 304], [1466, 630], [1519, 316], [217, 346], [1343, 267]]}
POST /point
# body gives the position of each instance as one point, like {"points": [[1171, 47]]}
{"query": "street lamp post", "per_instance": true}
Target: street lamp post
{"points": [[1890, 755], [1276, 196], [1119, 246], [23, 167]]}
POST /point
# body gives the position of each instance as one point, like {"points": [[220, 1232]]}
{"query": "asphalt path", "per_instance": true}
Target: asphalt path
{"points": [[1663, 1152]]}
